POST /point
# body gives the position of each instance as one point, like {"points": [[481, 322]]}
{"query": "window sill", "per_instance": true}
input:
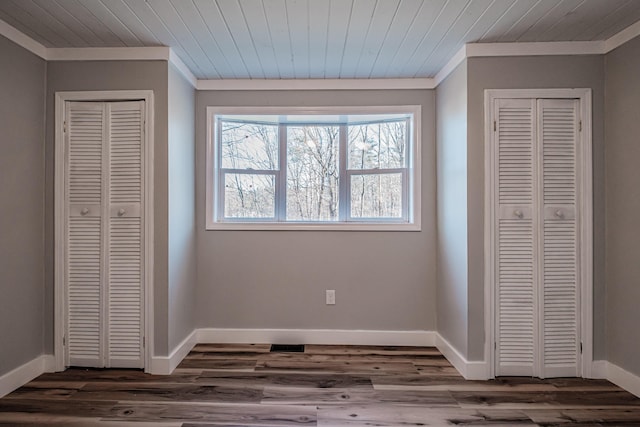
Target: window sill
{"points": [[273, 226]]}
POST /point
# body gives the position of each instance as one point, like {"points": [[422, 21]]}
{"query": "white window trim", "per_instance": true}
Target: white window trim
{"points": [[414, 176]]}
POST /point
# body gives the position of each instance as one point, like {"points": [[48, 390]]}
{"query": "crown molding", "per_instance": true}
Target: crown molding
{"points": [[315, 84], [622, 37], [160, 53], [23, 40], [534, 49], [182, 68]]}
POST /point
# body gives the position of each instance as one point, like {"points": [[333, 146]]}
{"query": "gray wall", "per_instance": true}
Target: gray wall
{"points": [[622, 105], [520, 73], [22, 85], [114, 75], [277, 279], [452, 298], [182, 231]]}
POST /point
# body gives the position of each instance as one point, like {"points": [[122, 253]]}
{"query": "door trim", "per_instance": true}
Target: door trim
{"points": [[59, 214], [585, 176]]}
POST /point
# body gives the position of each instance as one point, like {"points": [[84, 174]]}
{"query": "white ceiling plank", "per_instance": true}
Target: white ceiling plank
{"points": [[35, 34], [405, 15], [212, 18], [318, 32], [298, 19], [190, 14], [57, 20], [73, 25], [383, 16], [339, 17], [257, 23], [276, 14], [130, 21], [237, 26], [450, 14], [156, 26], [612, 16], [574, 23], [414, 35], [492, 15], [174, 24], [554, 16], [454, 38], [33, 15], [99, 22], [359, 25], [518, 25], [625, 21], [108, 19]]}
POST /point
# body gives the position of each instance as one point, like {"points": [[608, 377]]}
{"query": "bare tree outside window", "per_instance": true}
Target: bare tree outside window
{"points": [[271, 169]]}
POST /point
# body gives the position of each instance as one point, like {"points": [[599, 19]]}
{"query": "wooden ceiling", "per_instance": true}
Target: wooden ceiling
{"points": [[325, 39]]}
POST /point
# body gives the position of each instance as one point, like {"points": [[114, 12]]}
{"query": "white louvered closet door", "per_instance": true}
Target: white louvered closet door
{"points": [[104, 259], [559, 297], [516, 302], [536, 290]]}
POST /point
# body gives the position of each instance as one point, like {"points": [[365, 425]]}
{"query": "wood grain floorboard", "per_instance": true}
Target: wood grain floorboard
{"points": [[247, 385]]}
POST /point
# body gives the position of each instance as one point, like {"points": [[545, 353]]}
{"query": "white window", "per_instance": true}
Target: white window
{"points": [[326, 168]]}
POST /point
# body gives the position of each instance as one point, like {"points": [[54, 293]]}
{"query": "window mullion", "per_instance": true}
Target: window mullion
{"points": [[344, 200], [281, 176]]}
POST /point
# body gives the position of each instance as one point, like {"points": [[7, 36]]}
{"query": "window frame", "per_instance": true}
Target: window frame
{"points": [[411, 175]]}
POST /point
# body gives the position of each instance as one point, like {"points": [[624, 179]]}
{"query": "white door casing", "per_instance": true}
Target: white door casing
{"points": [[103, 203], [538, 232]]}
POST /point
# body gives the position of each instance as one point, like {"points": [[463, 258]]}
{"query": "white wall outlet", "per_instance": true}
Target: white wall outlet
{"points": [[331, 297]]}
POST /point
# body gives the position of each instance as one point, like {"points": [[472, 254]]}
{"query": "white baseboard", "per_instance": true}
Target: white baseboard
{"points": [[164, 365], [469, 370], [599, 369], [315, 336], [623, 378], [23, 374]]}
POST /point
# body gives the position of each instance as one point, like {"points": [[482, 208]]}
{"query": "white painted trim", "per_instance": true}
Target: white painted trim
{"points": [[316, 84], [182, 68], [623, 378], [586, 223], [59, 215], [534, 49], [622, 37], [165, 365], [160, 53], [23, 40], [412, 221], [450, 66], [21, 375], [469, 370], [315, 336], [599, 369]]}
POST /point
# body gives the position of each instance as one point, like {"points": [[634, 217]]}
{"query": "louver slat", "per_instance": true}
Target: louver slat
{"points": [[560, 327], [125, 235], [84, 231], [515, 291]]}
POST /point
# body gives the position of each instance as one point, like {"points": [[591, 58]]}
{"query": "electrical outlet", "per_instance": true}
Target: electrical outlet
{"points": [[331, 297]]}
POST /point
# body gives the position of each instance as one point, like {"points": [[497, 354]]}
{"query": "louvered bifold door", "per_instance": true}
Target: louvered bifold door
{"points": [[559, 287], [84, 244], [516, 302], [125, 259]]}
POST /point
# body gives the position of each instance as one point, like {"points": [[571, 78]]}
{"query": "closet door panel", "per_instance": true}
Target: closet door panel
{"points": [[515, 272], [559, 322], [125, 325], [84, 183]]}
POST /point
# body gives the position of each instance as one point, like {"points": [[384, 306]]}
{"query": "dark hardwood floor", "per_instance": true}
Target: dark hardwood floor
{"points": [[246, 385]]}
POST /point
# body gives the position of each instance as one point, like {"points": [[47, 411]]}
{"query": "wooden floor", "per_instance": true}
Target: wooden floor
{"points": [[246, 385]]}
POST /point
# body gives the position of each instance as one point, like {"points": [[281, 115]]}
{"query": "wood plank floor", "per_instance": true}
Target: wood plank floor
{"points": [[246, 385]]}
